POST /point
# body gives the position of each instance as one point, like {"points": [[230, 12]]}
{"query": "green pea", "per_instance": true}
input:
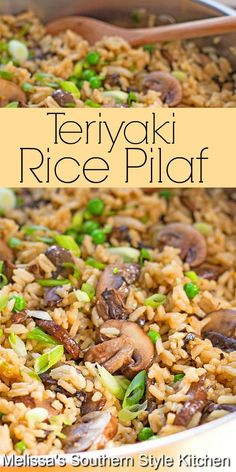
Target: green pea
{"points": [[88, 74], [178, 377], [93, 58], [95, 206], [90, 226], [191, 290], [145, 433], [98, 236], [95, 82], [92, 104]]}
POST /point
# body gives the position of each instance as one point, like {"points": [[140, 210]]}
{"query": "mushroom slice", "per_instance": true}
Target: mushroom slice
{"points": [[196, 402], [93, 431], [192, 244], [130, 352], [113, 288], [165, 83], [59, 256], [10, 92], [210, 271], [221, 329]]}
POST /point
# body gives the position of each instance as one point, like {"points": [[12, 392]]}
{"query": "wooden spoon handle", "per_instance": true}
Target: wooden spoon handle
{"points": [[188, 30]]}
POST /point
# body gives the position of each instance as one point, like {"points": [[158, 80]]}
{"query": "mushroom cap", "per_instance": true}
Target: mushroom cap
{"points": [[113, 288], [221, 329], [192, 244], [130, 352], [10, 92], [91, 432], [165, 83]]}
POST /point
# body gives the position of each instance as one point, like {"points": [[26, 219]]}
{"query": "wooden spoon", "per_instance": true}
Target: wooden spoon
{"points": [[93, 30]]}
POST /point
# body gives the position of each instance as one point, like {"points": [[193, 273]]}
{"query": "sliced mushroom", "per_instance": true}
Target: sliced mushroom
{"points": [[61, 335], [26, 399], [132, 223], [59, 256], [130, 352], [165, 83], [51, 297], [221, 329], [209, 271], [10, 92], [217, 406], [89, 406], [64, 99], [93, 431], [196, 402], [52, 385], [55, 330], [113, 288], [192, 244]]}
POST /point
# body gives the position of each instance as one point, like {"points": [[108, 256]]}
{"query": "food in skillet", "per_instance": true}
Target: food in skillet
{"points": [[38, 70], [117, 315]]}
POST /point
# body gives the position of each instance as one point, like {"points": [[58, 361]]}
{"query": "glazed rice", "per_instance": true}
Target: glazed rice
{"points": [[165, 274], [207, 79]]}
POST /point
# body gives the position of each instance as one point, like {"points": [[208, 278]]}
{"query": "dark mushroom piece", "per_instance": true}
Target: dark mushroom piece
{"points": [[59, 256], [197, 401], [7, 256], [26, 399], [130, 352], [89, 406], [61, 335], [63, 98], [52, 328], [192, 244], [10, 92], [165, 83], [221, 329], [51, 297], [216, 406], [92, 431], [209, 271], [113, 288]]}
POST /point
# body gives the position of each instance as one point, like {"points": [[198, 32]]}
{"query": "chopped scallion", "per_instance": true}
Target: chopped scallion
{"points": [[47, 360]]}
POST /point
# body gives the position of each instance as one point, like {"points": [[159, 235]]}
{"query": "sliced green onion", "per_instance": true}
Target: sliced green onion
{"points": [[178, 377], [132, 97], [27, 87], [20, 303], [123, 381], [179, 75], [17, 345], [37, 334], [33, 228], [145, 433], [166, 194], [5, 74], [153, 335], [129, 414], [90, 103], [155, 300], [96, 264], [52, 282], [1, 332], [89, 289], [47, 360], [7, 199], [12, 105], [203, 228], [129, 254], [3, 280], [67, 242], [14, 242], [76, 270], [77, 220], [118, 96], [20, 447], [144, 256], [3, 301], [192, 276], [1, 415], [135, 390], [70, 87], [37, 415], [18, 51], [110, 382], [149, 47], [82, 296]]}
